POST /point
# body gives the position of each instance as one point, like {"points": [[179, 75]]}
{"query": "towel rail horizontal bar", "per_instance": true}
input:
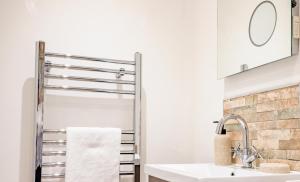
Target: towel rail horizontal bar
{"points": [[127, 142], [128, 132], [58, 142], [63, 164], [58, 55], [54, 153], [54, 87], [127, 162], [55, 175], [63, 142], [54, 131], [54, 164], [128, 152], [61, 175], [77, 78], [63, 153], [64, 131], [85, 68]]}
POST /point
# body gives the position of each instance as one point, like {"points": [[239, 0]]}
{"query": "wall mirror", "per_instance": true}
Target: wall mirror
{"points": [[252, 33]]}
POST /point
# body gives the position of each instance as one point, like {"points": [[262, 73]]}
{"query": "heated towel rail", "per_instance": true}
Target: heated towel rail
{"points": [[42, 75]]}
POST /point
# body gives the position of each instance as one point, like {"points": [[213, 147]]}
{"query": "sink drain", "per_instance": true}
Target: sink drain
{"points": [[232, 174]]}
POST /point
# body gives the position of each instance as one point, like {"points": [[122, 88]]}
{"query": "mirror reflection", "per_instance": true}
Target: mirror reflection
{"points": [[262, 24], [253, 33]]}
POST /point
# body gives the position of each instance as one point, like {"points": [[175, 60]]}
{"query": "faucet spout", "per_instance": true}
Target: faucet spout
{"points": [[245, 133], [243, 124]]}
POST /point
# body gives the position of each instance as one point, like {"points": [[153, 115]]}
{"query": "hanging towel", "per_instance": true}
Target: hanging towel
{"points": [[93, 154]]}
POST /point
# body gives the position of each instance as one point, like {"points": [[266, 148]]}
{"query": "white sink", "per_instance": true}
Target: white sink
{"points": [[212, 173]]}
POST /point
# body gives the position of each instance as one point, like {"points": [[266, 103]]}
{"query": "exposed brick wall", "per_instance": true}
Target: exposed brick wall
{"points": [[273, 118]]}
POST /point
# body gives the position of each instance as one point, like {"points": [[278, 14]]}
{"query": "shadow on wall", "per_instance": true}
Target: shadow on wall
{"points": [[27, 132], [143, 135]]}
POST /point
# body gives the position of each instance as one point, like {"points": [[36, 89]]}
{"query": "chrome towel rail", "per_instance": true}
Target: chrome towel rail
{"points": [[54, 164], [85, 89], [61, 175], [85, 68], [77, 78], [63, 153], [44, 73], [64, 131], [54, 153], [64, 142], [58, 55], [63, 164]]}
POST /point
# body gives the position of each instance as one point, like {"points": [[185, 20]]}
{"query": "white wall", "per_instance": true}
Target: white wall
{"points": [[209, 90], [160, 30], [181, 93]]}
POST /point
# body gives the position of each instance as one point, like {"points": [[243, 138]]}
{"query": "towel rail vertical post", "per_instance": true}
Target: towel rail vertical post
{"points": [[39, 109], [137, 114]]}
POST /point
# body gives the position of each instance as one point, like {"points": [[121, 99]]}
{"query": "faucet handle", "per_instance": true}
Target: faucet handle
{"points": [[255, 152], [236, 151]]}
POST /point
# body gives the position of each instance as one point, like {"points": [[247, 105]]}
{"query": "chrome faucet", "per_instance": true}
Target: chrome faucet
{"points": [[246, 154]]}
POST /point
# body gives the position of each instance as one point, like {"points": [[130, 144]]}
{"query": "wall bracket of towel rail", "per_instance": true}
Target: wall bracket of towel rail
{"points": [[42, 74]]}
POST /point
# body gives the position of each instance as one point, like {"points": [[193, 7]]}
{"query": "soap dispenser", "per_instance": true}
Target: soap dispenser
{"points": [[222, 149]]}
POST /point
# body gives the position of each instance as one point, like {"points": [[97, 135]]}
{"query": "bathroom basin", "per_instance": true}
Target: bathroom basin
{"points": [[212, 173]]}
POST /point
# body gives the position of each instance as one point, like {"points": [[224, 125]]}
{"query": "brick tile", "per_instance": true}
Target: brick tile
{"points": [[267, 96], [295, 133], [283, 134], [286, 103], [234, 103], [250, 100], [264, 107], [266, 144], [292, 144], [290, 113], [266, 116], [232, 127], [290, 123], [274, 154], [293, 155]]}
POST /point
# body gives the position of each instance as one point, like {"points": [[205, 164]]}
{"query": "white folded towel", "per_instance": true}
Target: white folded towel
{"points": [[93, 154]]}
